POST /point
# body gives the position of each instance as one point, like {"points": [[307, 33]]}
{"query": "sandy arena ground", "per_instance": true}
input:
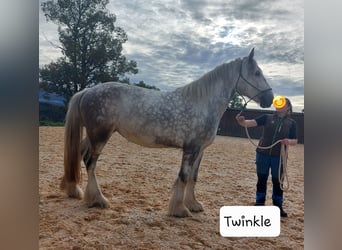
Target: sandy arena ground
{"points": [[138, 181]]}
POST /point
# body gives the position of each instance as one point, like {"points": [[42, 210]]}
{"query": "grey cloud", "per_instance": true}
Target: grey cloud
{"points": [[196, 9], [202, 10], [287, 87], [256, 10]]}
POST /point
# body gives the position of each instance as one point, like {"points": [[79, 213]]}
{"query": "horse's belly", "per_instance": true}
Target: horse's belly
{"points": [[149, 140]]}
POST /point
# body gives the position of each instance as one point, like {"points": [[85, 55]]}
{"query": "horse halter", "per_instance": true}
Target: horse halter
{"points": [[260, 91]]}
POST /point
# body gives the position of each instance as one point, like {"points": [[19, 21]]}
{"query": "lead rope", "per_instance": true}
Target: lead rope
{"points": [[283, 160]]}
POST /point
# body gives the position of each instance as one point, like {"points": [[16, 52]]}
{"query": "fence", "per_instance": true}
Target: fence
{"points": [[229, 127]]}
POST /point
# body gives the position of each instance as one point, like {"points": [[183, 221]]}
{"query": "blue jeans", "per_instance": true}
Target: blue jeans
{"points": [[263, 165]]}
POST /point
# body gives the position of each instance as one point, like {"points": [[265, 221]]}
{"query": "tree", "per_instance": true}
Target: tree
{"points": [[91, 46], [144, 85], [235, 102]]}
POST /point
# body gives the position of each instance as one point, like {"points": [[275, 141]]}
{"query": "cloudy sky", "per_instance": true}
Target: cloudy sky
{"points": [[175, 42]]}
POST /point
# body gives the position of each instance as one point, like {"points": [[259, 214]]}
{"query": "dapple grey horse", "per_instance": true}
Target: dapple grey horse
{"points": [[186, 118]]}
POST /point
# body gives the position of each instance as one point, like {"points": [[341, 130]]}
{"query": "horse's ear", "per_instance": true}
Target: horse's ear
{"points": [[251, 55]]}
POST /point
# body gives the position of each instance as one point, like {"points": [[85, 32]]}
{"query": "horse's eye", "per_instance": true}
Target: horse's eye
{"points": [[257, 73]]}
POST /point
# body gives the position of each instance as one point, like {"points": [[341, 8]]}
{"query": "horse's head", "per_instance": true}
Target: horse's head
{"points": [[252, 82]]}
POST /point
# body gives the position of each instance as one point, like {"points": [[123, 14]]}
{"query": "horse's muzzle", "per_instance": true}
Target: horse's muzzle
{"points": [[266, 99]]}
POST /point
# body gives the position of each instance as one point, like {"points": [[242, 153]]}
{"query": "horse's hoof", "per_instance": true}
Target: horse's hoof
{"points": [[72, 189], [180, 212], [195, 207], [98, 205], [183, 214], [77, 193], [100, 202]]}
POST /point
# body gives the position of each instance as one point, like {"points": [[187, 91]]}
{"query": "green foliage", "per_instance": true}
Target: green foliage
{"points": [[51, 124], [144, 85], [51, 113], [235, 102], [91, 46]]}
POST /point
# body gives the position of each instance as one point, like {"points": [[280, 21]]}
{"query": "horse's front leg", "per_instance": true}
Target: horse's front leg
{"points": [[189, 200], [176, 206]]}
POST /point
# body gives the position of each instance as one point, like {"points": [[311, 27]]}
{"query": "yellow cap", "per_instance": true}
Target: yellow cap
{"points": [[279, 102]]}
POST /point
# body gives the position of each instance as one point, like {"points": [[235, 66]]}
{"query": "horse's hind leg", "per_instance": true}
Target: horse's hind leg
{"points": [[189, 200], [91, 149], [176, 205]]}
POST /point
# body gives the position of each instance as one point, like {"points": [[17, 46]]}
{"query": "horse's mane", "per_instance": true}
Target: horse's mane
{"points": [[203, 86]]}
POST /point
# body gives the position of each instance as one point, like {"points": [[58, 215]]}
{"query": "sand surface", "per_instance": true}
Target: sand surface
{"points": [[138, 181]]}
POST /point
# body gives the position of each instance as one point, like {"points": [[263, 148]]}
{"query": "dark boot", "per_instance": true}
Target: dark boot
{"points": [[277, 196], [279, 204], [260, 198], [282, 212]]}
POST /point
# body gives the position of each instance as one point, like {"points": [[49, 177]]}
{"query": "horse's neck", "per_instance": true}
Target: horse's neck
{"points": [[215, 87]]}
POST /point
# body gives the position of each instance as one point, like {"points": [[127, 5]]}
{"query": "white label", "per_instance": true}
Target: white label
{"points": [[249, 221]]}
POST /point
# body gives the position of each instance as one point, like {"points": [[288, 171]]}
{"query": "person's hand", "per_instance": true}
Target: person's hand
{"points": [[240, 119], [285, 142]]}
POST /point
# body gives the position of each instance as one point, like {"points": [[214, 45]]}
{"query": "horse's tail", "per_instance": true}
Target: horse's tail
{"points": [[72, 147]]}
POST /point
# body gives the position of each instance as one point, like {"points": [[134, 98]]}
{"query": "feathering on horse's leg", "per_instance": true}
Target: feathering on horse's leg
{"points": [[176, 205], [190, 201], [93, 195], [91, 152], [72, 189]]}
